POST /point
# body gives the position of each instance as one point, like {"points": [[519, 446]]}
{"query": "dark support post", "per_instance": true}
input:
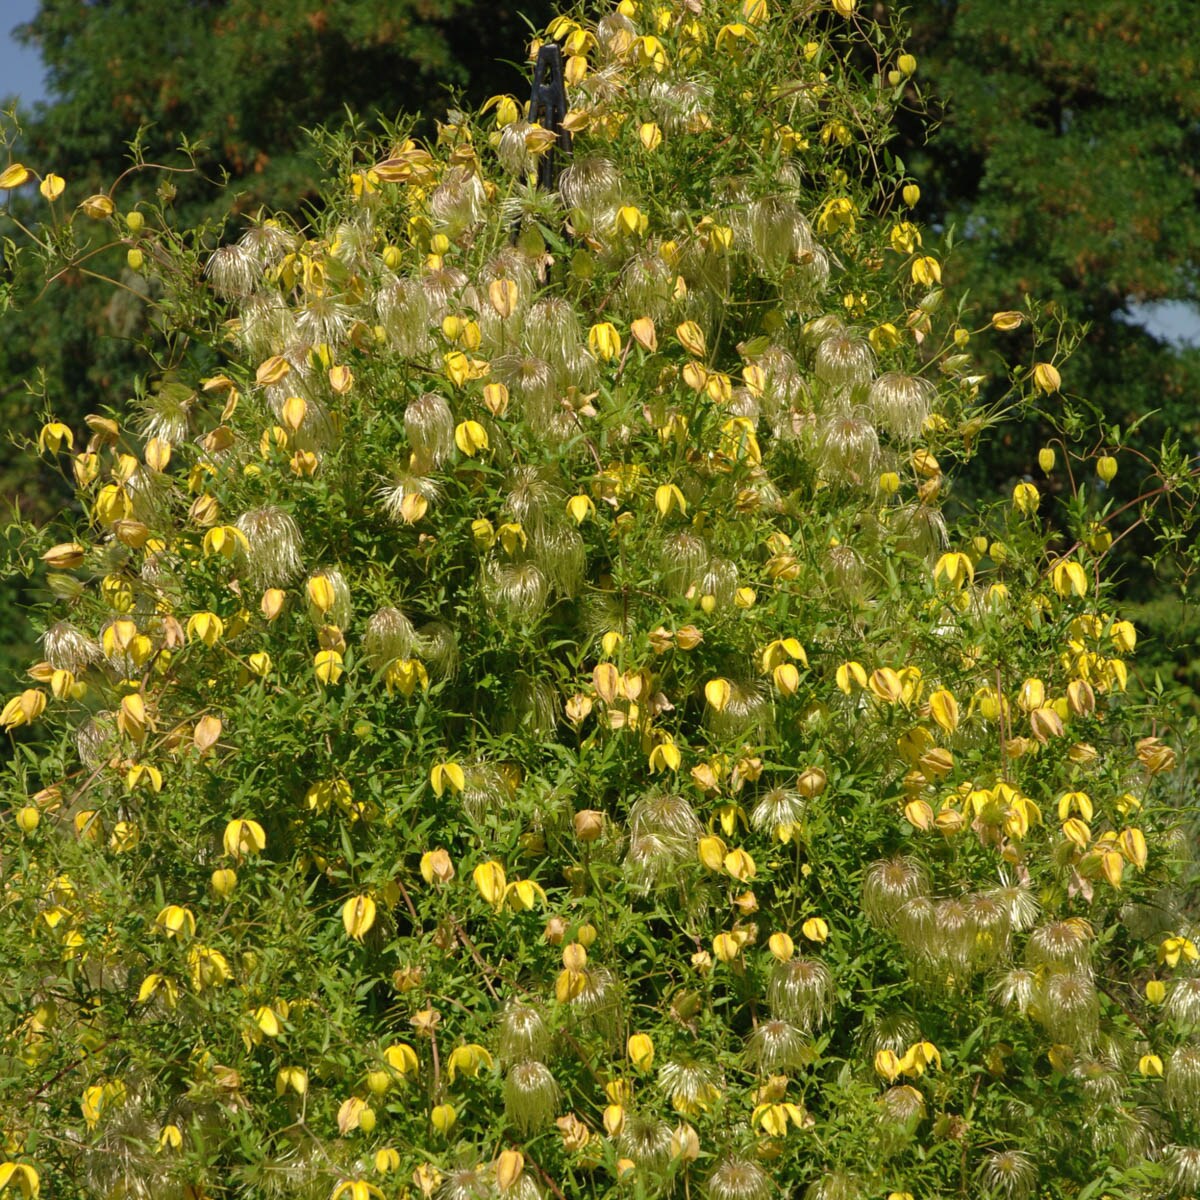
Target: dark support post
{"points": [[548, 108]]}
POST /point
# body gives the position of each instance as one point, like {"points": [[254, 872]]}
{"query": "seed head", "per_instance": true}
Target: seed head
{"points": [[389, 635], [459, 201], [646, 1139], [801, 991], [776, 1045], [1009, 1173], [523, 1034], [1182, 1081], [1067, 1006], [899, 404], [429, 427], [738, 1179], [274, 541], [68, 649], [1065, 945], [530, 1095], [888, 885]]}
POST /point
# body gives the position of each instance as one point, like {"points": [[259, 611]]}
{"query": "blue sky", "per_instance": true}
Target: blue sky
{"points": [[20, 68]]}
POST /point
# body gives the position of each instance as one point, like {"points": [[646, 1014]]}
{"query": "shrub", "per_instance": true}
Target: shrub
{"points": [[514, 718]]}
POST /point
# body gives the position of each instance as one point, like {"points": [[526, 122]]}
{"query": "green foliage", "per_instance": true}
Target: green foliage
{"points": [[514, 719]]}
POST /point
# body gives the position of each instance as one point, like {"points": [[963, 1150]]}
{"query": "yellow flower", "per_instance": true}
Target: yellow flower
{"points": [[243, 838], [209, 968], [650, 52], [52, 186], [523, 894], [631, 221], [53, 436], [175, 920], [665, 756], [711, 852], [727, 946], [328, 666], [205, 627], [816, 929], [1046, 378], [467, 1060], [470, 437], [448, 774], [1175, 949], [293, 1079], [436, 867], [402, 1059], [850, 675], [13, 176], [886, 685], [905, 237], [490, 880], [604, 341], [668, 496], [1026, 499], [358, 915], [740, 865], [944, 709], [926, 271], [1069, 578], [224, 880], [650, 136], [443, 1118], [887, 1064], [844, 8], [356, 1189], [1150, 1065], [640, 1049], [773, 1119], [29, 705], [781, 946]]}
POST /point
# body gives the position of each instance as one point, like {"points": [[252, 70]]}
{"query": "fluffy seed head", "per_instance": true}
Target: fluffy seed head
{"points": [[888, 885], [778, 806], [523, 1034], [68, 649], [1009, 1173], [389, 635], [843, 361], [1183, 1003], [1182, 1081], [848, 448], [429, 427], [776, 1045], [530, 1095], [273, 557], [232, 271], [1065, 945], [646, 1139], [1067, 1006], [520, 588], [738, 1179], [801, 991], [459, 201], [900, 403]]}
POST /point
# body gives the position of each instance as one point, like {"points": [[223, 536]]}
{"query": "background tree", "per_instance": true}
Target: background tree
{"points": [[1065, 162]]}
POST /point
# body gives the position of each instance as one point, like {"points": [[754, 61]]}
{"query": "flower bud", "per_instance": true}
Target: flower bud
{"points": [[589, 825]]}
